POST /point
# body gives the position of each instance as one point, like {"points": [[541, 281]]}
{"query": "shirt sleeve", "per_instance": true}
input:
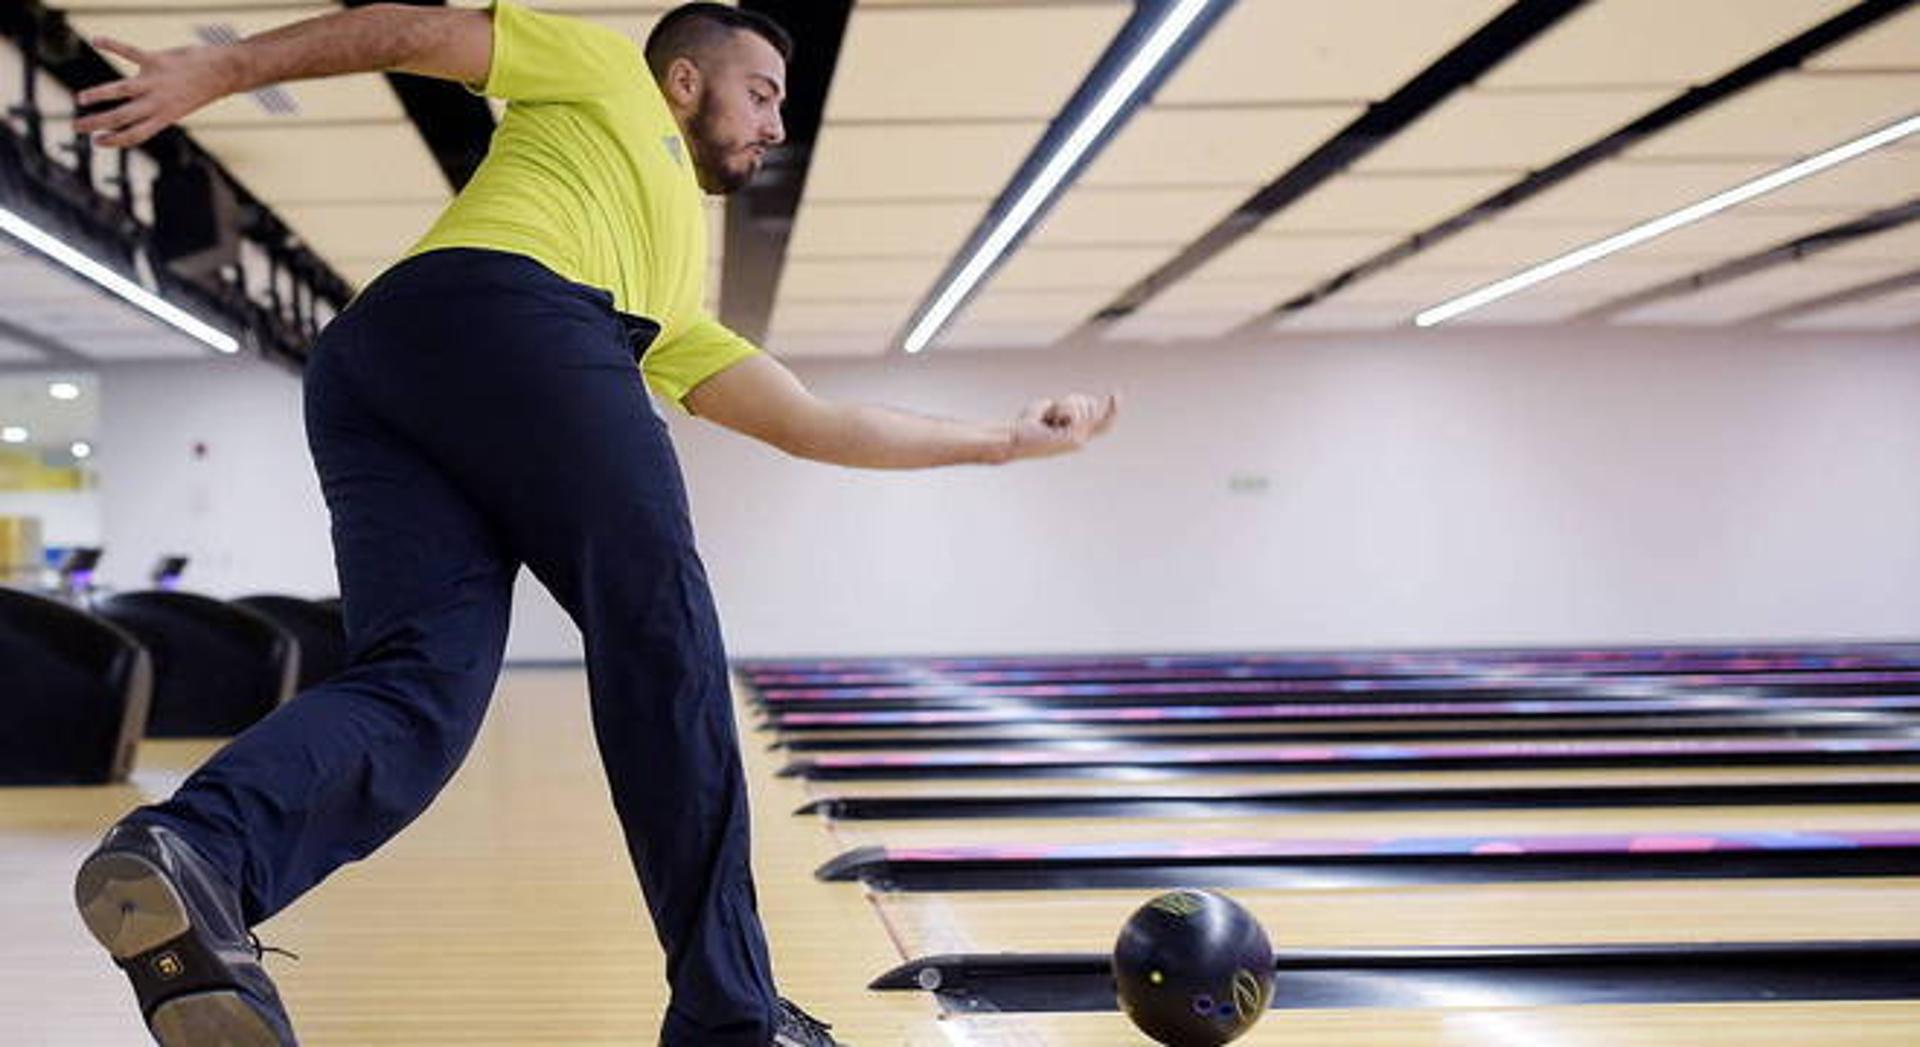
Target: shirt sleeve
{"points": [[691, 355], [540, 57]]}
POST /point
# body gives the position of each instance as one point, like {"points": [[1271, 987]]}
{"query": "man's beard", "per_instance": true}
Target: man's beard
{"points": [[709, 155]]}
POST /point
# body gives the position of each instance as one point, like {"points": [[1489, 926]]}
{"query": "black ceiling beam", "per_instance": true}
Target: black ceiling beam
{"points": [[1787, 253], [760, 217], [57, 353], [1844, 296], [455, 123], [1505, 34], [1785, 57]]}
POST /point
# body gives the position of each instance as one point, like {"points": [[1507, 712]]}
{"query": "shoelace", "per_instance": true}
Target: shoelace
{"points": [[260, 951], [816, 1028]]}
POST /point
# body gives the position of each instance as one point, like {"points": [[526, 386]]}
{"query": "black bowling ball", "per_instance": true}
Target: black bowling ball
{"points": [[1193, 969]]}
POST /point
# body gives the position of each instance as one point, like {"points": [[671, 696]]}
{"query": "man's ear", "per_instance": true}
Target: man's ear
{"points": [[682, 83]]}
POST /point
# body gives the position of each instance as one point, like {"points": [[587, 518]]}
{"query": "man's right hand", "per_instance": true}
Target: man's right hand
{"points": [[167, 86], [448, 43]]}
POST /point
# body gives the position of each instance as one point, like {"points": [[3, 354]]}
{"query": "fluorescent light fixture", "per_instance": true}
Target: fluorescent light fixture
{"points": [[14, 434], [55, 248], [1146, 58], [1647, 230], [81, 449], [63, 390]]}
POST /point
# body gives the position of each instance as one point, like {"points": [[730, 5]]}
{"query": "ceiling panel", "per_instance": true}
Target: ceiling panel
{"points": [[1344, 316], [286, 167], [825, 317], [1167, 325], [362, 230], [838, 230], [1881, 178], [1515, 130], [1238, 147], [1885, 312], [1570, 294], [1524, 310], [1404, 203], [1647, 42], [1356, 50], [1091, 215], [1077, 268], [1901, 243], [1761, 292], [1507, 244], [1293, 255], [1004, 306], [867, 162], [828, 346], [155, 345], [364, 97], [1406, 293], [1893, 44], [1790, 116], [1424, 285], [1624, 193], [26, 278], [14, 352], [916, 63], [1033, 334], [829, 279], [78, 317], [1021, 319], [1245, 297], [1732, 234]]}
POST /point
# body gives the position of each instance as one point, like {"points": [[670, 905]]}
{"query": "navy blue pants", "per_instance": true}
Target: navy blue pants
{"points": [[470, 413]]}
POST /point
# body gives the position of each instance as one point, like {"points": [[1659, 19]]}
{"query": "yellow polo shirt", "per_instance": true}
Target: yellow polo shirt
{"points": [[587, 174]]}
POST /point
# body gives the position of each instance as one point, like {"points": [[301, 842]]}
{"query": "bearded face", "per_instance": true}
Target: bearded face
{"points": [[725, 161], [735, 117]]}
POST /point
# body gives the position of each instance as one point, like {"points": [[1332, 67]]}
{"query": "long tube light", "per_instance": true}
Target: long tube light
{"points": [[58, 250], [1144, 61], [1647, 230]]}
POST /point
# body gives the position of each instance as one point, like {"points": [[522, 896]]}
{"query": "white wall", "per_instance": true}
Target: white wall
{"points": [[1460, 488], [1464, 488], [247, 512]]}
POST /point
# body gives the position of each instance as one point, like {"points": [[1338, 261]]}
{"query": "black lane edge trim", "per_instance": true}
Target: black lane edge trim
{"points": [[987, 699], [871, 866], [1785, 717], [1498, 976], [1428, 798], [812, 771], [1095, 737]]}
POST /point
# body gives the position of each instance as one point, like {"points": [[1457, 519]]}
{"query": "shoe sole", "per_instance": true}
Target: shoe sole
{"points": [[136, 914]]}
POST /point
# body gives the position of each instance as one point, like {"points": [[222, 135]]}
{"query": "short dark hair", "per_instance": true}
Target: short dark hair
{"points": [[691, 28]]}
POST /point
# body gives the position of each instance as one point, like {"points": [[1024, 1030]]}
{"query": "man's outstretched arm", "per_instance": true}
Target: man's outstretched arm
{"points": [[762, 399], [448, 43]]}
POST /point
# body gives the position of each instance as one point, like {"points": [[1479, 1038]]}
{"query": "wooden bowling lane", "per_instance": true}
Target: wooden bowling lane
{"points": [[1873, 1024], [507, 916], [1438, 915]]}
